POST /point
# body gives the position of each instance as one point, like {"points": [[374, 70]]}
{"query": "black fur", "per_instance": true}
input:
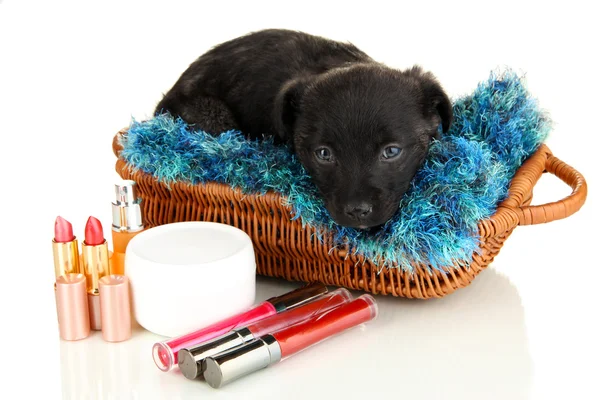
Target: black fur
{"points": [[320, 94]]}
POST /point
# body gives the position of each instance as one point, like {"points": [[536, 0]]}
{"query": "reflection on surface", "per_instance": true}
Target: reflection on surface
{"points": [[469, 345], [94, 369]]}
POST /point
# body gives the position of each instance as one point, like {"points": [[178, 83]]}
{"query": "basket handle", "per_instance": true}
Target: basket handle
{"points": [[528, 176], [116, 145]]}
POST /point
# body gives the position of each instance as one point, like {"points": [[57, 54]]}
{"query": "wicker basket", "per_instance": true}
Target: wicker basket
{"points": [[286, 250]]}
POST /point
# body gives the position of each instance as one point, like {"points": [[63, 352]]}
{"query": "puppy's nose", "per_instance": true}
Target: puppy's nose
{"points": [[358, 211]]}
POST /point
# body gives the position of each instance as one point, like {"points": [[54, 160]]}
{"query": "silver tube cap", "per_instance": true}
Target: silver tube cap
{"points": [[126, 211], [191, 360], [298, 297], [236, 363]]}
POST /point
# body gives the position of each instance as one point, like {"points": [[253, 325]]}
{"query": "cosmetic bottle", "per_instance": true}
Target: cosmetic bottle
{"points": [[273, 348], [127, 222]]}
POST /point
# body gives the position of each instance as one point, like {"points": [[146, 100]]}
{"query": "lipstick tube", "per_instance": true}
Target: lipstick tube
{"points": [[126, 223], [165, 353], [65, 249], [272, 348], [66, 257], [95, 266], [66, 260], [191, 360]]}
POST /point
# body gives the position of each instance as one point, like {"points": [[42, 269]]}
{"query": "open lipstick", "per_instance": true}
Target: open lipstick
{"points": [[191, 360], [165, 353], [127, 222], [95, 266], [272, 348], [65, 249]]}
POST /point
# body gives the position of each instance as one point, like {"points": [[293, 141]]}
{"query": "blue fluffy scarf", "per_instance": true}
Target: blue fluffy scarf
{"points": [[465, 176]]}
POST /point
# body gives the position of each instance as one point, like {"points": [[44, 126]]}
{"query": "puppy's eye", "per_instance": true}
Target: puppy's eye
{"points": [[390, 152], [324, 154]]}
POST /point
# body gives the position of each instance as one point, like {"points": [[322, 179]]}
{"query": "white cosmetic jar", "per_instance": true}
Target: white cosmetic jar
{"points": [[187, 275]]}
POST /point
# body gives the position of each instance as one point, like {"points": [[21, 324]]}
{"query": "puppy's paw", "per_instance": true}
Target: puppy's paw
{"points": [[206, 114]]}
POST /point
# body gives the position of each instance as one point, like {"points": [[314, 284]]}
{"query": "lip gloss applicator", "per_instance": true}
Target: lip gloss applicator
{"points": [[127, 222], [270, 349], [191, 360], [165, 353], [95, 266]]}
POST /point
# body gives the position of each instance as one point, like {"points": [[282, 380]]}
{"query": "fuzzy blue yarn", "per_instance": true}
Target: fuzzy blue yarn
{"points": [[465, 176]]}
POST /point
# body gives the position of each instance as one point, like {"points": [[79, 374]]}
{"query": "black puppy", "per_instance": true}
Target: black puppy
{"points": [[361, 129]]}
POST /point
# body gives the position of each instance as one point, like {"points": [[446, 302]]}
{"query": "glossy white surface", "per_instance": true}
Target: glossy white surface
{"points": [[71, 75]]}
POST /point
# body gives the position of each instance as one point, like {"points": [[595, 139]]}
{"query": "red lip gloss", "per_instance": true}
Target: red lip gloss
{"points": [[270, 349], [65, 249], [165, 353], [95, 266], [191, 360]]}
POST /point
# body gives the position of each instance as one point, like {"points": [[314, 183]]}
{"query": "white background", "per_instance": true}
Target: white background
{"points": [[71, 75]]}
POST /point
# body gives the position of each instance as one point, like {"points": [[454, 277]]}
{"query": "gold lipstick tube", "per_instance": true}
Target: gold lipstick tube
{"points": [[95, 266], [66, 258]]}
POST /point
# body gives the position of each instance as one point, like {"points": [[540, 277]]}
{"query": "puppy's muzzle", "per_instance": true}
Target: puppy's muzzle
{"points": [[358, 211]]}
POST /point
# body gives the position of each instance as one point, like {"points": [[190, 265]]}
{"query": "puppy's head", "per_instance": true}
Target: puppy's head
{"points": [[362, 132]]}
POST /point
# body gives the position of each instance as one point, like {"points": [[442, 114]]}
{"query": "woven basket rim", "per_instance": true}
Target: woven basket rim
{"points": [[422, 281]]}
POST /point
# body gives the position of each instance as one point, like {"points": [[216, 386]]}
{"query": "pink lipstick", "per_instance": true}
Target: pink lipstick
{"points": [[65, 249], [63, 230], [95, 266], [94, 234]]}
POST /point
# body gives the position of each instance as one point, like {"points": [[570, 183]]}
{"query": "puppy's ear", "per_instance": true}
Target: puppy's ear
{"points": [[287, 107], [437, 102]]}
